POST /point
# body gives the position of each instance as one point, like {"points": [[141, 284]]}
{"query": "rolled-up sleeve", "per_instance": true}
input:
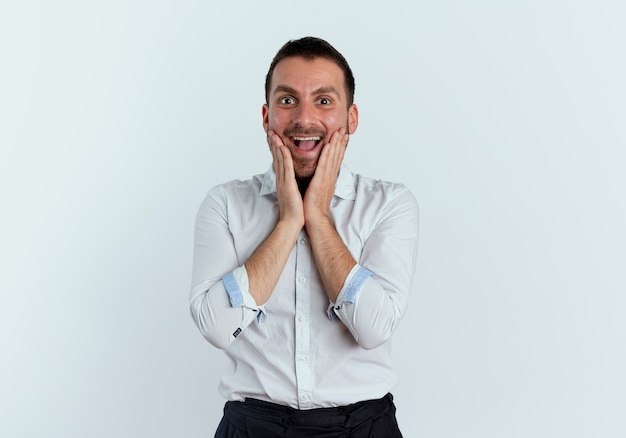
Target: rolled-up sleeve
{"points": [[220, 303], [376, 292]]}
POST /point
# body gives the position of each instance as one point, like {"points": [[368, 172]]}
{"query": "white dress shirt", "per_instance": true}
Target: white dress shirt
{"points": [[299, 349]]}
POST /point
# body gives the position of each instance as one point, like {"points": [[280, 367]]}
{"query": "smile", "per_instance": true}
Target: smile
{"points": [[306, 143], [307, 138]]}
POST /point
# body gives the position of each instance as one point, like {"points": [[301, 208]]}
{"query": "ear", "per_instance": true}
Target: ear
{"points": [[265, 113], [353, 118]]}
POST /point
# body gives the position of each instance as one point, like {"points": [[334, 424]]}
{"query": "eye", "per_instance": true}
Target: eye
{"points": [[287, 100], [324, 101]]}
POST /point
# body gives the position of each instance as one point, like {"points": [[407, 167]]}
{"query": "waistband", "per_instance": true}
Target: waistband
{"points": [[342, 415]]}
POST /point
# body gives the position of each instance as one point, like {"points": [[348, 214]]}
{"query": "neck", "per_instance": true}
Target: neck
{"points": [[303, 184]]}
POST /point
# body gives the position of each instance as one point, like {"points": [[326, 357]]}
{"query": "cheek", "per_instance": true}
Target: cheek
{"points": [[275, 121], [335, 121]]}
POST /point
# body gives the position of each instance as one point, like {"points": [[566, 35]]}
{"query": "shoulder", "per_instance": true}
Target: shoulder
{"points": [[386, 200], [373, 188], [234, 192], [236, 188]]}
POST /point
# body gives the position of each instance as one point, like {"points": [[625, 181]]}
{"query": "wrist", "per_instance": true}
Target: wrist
{"points": [[290, 225], [316, 218]]}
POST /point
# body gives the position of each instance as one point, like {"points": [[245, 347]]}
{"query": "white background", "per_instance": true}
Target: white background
{"points": [[505, 118]]}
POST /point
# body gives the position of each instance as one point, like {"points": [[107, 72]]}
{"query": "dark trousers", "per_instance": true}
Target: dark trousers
{"points": [[260, 419]]}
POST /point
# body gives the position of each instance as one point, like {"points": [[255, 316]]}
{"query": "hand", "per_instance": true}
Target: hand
{"points": [[322, 187], [333, 259], [289, 198]]}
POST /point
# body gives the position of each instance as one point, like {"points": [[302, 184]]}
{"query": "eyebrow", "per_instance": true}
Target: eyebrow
{"points": [[284, 89], [320, 90], [326, 90]]}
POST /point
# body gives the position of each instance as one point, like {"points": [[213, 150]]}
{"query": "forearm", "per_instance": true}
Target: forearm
{"points": [[332, 257], [376, 295], [266, 264], [222, 306], [214, 258]]}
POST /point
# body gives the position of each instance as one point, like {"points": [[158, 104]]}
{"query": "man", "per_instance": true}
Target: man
{"points": [[302, 274]]}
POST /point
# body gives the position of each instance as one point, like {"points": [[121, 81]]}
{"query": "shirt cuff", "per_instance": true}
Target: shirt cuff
{"points": [[236, 285], [351, 288]]}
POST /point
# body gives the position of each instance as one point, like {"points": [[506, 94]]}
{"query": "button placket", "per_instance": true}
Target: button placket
{"points": [[304, 377]]}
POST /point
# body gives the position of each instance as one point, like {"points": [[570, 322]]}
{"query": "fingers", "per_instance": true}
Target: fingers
{"points": [[283, 164], [333, 153], [289, 198], [322, 187], [336, 147], [274, 139], [276, 156]]}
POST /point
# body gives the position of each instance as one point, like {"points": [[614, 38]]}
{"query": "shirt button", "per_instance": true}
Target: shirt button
{"points": [[301, 318], [302, 279], [302, 241], [305, 397]]}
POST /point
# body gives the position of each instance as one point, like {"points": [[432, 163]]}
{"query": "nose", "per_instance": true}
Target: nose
{"points": [[304, 114]]}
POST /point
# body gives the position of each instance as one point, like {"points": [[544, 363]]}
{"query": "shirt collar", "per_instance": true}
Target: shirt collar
{"points": [[344, 188]]}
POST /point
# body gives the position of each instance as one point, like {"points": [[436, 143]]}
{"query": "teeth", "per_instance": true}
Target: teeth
{"points": [[306, 138]]}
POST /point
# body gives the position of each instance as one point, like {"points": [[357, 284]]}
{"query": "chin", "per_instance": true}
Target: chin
{"points": [[303, 176], [305, 170]]}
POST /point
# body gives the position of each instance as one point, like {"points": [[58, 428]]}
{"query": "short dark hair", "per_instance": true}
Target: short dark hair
{"points": [[311, 48]]}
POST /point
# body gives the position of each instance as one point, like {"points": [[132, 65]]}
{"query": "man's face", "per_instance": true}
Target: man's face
{"points": [[307, 103]]}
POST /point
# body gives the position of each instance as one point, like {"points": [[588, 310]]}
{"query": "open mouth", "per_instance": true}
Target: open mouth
{"points": [[306, 143]]}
